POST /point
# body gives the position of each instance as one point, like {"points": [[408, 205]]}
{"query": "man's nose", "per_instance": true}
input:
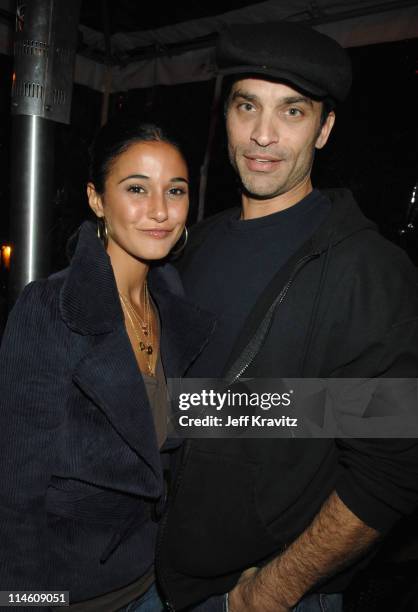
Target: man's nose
{"points": [[265, 130], [158, 209]]}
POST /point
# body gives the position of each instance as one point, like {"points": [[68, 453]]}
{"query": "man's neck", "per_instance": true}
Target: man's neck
{"points": [[253, 208]]}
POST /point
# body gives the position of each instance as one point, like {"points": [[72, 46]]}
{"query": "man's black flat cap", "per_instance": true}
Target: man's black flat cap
{"points": [[289, 52]]}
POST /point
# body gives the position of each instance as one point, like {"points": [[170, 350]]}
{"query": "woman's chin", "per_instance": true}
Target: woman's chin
{"points": [[153, 254]]}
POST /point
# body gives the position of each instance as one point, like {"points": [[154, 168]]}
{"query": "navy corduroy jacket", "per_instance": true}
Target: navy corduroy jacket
{"points": [[79, 462]]}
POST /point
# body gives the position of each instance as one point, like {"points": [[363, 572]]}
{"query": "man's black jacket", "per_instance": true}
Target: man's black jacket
{"points": [[346, 305]]}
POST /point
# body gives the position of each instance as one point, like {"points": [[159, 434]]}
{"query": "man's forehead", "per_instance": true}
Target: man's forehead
{"points": [[262, 88]]}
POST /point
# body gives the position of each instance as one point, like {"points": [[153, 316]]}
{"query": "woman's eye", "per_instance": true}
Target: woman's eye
{"points": [[177, 191], [136, 189]]}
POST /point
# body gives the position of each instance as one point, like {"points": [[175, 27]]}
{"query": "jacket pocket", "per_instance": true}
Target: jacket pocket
{"points": [[73, 499], [213, 526]]}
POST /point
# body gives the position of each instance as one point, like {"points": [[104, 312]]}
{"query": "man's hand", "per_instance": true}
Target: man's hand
{"points": [[248, 573], [249, 595], [334, 539]]}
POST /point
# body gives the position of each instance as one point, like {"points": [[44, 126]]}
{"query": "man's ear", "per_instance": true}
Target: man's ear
{"points": [[95, 200], [325, 131]]}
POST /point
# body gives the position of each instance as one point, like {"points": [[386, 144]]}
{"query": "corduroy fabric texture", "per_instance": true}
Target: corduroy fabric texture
{"points": [[80, 465]]}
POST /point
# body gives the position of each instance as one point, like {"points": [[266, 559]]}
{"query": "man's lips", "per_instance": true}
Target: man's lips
{"points": [[262, 163]]}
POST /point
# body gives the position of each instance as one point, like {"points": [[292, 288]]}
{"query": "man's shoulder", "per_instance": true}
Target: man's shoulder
{"points": [[368, 248], [358, 236]]}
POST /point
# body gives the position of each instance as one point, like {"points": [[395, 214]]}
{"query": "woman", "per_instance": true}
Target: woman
{"points": [[83, 364]]}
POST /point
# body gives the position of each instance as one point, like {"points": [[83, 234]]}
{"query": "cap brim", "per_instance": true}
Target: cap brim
{"points": [[280, 75]]}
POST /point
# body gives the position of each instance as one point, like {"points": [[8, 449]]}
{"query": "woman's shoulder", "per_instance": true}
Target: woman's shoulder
{"points": [[38, 297], [44, 291], [39, 301], [34, 324]]}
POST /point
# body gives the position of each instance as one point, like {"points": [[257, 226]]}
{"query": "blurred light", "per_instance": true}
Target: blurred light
{"points": [[414, 192], [6, 252]]}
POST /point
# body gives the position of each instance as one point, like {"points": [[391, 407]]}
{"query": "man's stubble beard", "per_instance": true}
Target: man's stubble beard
{"points": [[281, 186]]}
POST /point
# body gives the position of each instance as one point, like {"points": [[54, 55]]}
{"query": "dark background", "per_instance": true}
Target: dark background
{"points": [[372, 150]]}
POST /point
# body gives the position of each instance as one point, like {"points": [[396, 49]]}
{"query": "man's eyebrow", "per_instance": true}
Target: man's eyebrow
{"points": [[297, 100], [239, 93]]}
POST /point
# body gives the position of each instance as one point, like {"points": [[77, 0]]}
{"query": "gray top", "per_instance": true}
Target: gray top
{"points": [[156, 389]]}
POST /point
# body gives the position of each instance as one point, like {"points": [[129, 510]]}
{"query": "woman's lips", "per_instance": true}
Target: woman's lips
{"points": [[261, 164], [157, 233]]}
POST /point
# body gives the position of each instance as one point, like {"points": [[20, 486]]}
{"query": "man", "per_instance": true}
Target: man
{"points": [[302, 286]]}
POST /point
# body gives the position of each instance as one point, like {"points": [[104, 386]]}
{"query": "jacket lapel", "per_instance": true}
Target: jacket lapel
{"points": [[108, 374], [107, 371], [185, 328]]}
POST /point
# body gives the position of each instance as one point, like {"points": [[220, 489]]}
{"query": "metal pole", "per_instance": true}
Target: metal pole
{"points": [[32, 165], [44, 50], [204, 169], [107, 84]]}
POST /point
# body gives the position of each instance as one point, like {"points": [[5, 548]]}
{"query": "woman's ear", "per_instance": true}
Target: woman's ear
{"points": [[95, 200]]}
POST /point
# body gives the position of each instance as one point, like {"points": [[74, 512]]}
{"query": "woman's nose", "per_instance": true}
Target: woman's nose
{"points": [[158, 209]]}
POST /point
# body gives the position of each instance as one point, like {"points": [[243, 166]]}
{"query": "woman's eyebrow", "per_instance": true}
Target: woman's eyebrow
{"points": [[136, 176]]}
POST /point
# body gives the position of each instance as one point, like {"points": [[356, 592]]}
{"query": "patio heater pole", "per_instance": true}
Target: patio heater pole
{"points": [[31, 192], [44, 52], [204, 169]]}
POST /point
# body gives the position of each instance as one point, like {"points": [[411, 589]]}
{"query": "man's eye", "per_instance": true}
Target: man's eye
{"points": [[136, 189], [294, 112], [246, 106]]}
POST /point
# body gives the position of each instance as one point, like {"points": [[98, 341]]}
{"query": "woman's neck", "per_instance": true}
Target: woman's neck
{"points": [[130, 273]]}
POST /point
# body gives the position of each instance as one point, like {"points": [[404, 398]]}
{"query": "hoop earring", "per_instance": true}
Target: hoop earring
{"points": [[102, 232], [177, 251]]}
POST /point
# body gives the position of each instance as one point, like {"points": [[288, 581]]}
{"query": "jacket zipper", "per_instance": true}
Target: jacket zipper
{"points": [[299, 265], [168, 605]]}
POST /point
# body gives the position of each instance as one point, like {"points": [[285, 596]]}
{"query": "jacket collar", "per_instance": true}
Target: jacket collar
{"points": [[89, 300], [106, 369], [345, 219], [89, 303]]}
